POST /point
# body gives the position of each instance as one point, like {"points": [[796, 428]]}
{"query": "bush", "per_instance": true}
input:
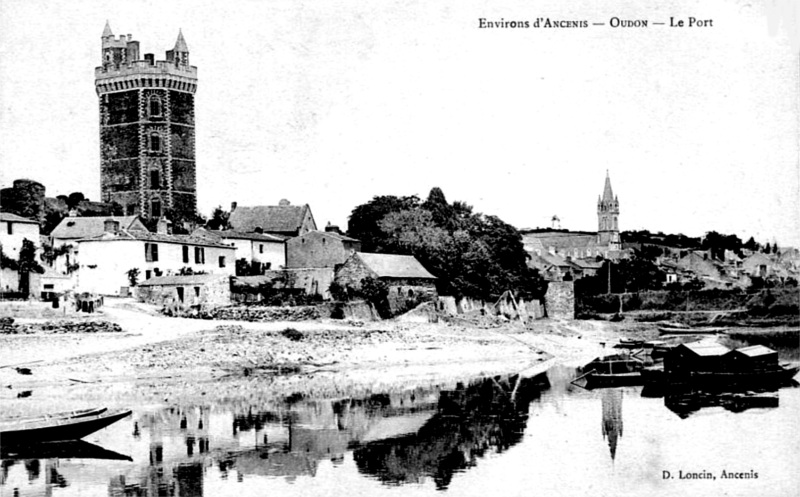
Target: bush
{"points": [[293, 334]]}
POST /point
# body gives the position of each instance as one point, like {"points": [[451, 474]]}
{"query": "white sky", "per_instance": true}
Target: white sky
{"points": [[330, 103]]}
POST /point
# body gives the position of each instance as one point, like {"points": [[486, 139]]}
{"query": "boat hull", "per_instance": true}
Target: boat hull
{"points": [[600, 380], [62, 429]]}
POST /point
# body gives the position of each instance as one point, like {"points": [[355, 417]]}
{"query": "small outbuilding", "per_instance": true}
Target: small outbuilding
{"points": [[696, 356], [196, 290], [407, 280]]}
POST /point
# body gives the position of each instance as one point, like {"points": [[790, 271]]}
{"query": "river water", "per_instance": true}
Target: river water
{"points": [[506, 435]]}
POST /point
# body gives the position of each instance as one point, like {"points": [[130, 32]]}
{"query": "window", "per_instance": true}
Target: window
{"points": [[48, 286], [185, 253], [9, 228], [155, 142], [222, 261], [180, 293], [151, 252], [155, 208], [155, 179], [131, 209], [260, 248], [199, 255], [148, 274], [197, 291], [155, 106]]}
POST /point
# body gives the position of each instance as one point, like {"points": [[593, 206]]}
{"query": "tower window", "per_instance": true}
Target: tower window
{"points": [[155, 208], [155, 142], [155, 179], [154, 108]]}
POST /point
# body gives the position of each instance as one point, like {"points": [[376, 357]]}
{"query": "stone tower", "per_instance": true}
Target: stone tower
{"points": [[147, 129], [607, 218]]}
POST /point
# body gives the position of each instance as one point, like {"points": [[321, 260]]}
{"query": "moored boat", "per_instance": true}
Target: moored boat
{"points": [[613, 372], [702, 330], [57, 428]]}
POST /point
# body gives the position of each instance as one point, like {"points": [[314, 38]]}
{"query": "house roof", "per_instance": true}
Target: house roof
{"points": [[157, 237], [270, 218], [706, 349], [189, 279], [394, 266], [87, 227], [331, 234], [755, 351], [238, 235], [13, 218], [586, 264]]}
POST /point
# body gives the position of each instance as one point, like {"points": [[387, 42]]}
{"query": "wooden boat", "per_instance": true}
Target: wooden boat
{"points": [[766, 376], [613, 372], [52, 417], [57, 428], [704, 330], [629, 343]]}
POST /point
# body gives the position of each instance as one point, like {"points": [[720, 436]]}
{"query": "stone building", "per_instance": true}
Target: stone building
{"points": [[284, 219], [317, 249], [147, 128], [406, 279], [196, 290]]}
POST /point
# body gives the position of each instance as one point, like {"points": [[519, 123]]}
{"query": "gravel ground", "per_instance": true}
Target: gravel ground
{"points": [[156, 357]]}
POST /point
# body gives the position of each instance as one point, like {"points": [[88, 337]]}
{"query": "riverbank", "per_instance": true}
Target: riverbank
{"points": [[186, 357]]}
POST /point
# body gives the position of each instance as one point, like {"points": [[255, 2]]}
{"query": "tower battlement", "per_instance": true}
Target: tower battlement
{"points": [[147, 153]]}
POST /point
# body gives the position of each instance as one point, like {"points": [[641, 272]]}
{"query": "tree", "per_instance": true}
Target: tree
{"points": [[470, 254], [133, 276], [219, 219], [363, 222], [74, 199], [27, 265]]}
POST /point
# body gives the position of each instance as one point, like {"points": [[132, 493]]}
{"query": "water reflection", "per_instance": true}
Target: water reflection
{"points": [[611, 401], [686, 402], [487, 415], [409, 436]]}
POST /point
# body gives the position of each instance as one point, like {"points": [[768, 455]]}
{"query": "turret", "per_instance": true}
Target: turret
{"points": [[179, 55]]}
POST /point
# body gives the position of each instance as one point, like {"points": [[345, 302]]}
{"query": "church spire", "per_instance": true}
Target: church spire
{"points": [[608, 194], [107, 30]]}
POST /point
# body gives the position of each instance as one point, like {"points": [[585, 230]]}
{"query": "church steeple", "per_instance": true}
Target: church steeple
{"points": [[608, 194], [607, 217], [107, 31]]}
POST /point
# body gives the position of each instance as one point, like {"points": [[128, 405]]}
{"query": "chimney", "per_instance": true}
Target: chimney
{"points": [[332, 228], [164, 227], [233, 206], [110, 226], [150, 59]]}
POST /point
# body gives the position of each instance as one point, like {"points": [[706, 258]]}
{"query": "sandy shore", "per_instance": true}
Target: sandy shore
{"points": [[157, 358]]}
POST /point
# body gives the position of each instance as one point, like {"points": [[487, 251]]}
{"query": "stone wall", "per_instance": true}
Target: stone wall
{"points": [[560, 300], [9, 327], [259, 314]]}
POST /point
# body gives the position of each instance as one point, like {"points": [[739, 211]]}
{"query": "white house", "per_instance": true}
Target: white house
{"points": [[74, 228], [107, 260], [13, 230], [268, 250]]}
